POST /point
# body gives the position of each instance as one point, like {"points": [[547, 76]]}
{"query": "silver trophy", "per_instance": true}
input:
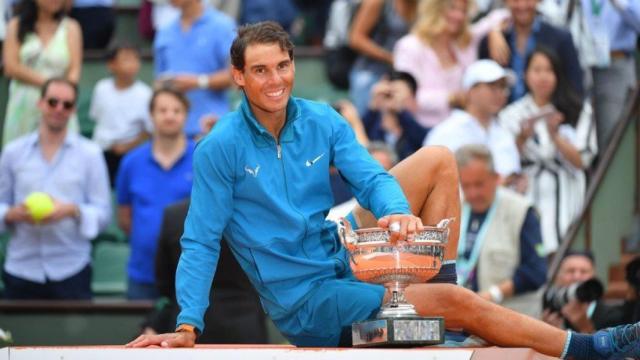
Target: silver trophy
{"points": [[374, 259]]}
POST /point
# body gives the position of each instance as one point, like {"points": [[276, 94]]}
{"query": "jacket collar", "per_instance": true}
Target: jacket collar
{"points": [[261, 137]]}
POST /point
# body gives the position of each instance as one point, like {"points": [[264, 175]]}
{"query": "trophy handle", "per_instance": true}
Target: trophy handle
{"points": [[348, 237], [444, 224]]}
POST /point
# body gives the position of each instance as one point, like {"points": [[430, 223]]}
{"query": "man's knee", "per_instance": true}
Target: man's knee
{"points": [[439, 160]]}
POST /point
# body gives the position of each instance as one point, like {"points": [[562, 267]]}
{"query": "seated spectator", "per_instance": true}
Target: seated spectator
{"points": [[390, 117], [151, 177], [527, 32], [41, 43], [97, 19], [487, 87], [377, 26], [556, 138], [120, 107], [234, 314], [441, 45], [50, 257], [499, 237]]}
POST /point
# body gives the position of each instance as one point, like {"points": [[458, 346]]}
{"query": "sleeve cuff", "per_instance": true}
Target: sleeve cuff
{"points": [[4, 208], [88, 222]]}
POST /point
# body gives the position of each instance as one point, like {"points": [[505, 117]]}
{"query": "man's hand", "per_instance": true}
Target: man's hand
{"points": [[60, 211], [170, 340], [553, 318], [576, 314], [401, 226], [18, 214]]}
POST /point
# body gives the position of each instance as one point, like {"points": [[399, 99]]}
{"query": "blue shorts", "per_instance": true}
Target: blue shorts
{"points": [[326, 317]]}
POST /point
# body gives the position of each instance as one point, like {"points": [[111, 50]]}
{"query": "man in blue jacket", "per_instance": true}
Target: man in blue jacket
{"points": [[261, 178]]}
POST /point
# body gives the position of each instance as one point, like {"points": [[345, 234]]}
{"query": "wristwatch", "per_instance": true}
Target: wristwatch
{"points": [[187, 328], [203, 81]]}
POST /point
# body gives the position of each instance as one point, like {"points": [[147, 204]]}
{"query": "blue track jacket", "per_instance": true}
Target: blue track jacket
{"points": [[270, 200]]}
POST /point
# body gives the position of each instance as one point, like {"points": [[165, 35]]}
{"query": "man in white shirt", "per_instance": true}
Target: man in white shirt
{"points": [[487, 87]]}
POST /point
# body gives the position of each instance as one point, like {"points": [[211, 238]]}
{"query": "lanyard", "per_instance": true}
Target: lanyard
{"points": [[596, 7], [464, 266]]}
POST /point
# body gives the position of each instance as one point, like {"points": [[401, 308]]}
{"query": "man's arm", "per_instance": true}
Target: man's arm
{"points": [[94, 212], [124, 218], [9, 213], [532, 271], [209, 213], [629, 10], [374, 188]]}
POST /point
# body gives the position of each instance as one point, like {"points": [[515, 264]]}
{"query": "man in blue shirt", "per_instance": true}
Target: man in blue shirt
{"points": [[261, 178], [192, 56], [50, 259], [151, 177]]}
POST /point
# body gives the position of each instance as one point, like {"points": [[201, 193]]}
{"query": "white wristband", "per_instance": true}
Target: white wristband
{"points": [[203, 81], [496, 294]]}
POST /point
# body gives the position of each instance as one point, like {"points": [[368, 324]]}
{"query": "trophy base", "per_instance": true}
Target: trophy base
{"points": [[398, 332]]}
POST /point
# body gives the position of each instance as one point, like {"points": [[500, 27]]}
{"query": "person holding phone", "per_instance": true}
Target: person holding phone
{"points": [[555, 135]]}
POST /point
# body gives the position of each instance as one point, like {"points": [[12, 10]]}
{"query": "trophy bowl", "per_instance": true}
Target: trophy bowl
{"points": [[375, 259]]}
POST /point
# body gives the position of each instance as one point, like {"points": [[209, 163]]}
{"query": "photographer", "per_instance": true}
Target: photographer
{"points": [[576, 267], [391, 114]]}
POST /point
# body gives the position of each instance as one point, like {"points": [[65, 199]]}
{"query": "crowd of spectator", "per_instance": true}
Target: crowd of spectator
{"points": [[526, 94]]}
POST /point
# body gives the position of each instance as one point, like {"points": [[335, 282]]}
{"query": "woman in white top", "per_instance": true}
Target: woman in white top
{"points": [[555, 134]]}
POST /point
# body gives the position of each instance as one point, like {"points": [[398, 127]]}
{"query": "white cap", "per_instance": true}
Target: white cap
{"points": [[484, 72]]}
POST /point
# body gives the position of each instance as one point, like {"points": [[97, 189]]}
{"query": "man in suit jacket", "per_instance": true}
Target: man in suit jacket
{"points": [[529, 31], [235, 315]]}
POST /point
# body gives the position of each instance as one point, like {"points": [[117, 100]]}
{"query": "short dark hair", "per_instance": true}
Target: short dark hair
{"points": [[170, 91], [406, 77], [584, 253], [265, 32], [58, 80], [119, 46]]}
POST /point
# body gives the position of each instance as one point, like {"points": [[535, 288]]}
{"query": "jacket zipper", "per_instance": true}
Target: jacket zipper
{"points": [[286, 190]]}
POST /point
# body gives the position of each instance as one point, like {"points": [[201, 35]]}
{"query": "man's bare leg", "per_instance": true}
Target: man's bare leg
{"points": [[429, 179], [498, 325]]}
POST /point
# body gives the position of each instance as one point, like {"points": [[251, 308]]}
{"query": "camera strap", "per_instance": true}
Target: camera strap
{"points": [[465, 267]]}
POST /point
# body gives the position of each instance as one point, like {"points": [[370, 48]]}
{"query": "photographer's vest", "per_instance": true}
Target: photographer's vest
{"points": [[500, 253]]}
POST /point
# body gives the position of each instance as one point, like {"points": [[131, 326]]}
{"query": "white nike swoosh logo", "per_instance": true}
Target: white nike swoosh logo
{"points": [[311, 162]]}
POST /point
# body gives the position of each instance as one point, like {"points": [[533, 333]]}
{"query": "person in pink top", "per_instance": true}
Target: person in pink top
{"points": [[439, 48]]}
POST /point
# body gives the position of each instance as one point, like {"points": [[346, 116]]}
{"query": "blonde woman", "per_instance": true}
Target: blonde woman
{"points": [[441, 45], [41, 43]]}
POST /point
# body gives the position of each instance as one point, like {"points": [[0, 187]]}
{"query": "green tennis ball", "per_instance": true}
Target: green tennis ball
{"points": [[39, 204]]}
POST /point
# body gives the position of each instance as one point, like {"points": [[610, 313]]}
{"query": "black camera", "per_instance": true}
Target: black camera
{"points": [[557, 297]]}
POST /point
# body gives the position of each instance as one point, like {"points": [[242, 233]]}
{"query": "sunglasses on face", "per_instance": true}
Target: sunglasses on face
{"points": [[66, 104]]}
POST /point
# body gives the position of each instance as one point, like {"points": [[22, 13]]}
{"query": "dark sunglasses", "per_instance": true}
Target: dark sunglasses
{"points": [[53, 102]]}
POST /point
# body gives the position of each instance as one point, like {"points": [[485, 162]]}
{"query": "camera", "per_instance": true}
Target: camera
{"points": [[556, 297]]}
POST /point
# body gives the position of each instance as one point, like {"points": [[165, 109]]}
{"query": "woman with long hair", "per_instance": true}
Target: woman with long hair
{"points": [[441, 45], [555, 134], [41, 43]]}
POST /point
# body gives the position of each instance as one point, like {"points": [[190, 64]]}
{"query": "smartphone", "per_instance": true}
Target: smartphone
{"points": [[546, 111]]}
